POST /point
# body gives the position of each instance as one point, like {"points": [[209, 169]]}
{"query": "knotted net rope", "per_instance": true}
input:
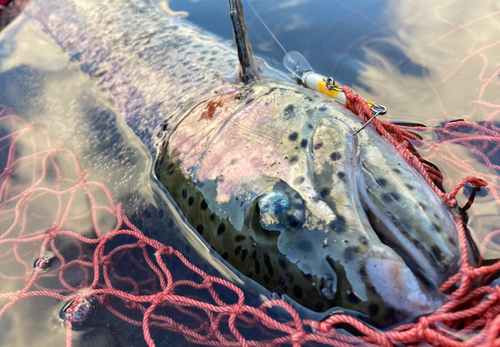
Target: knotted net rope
{"points": [[34, 264]]}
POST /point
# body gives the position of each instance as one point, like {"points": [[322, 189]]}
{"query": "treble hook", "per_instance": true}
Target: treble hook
{"points": [[377, 110]]}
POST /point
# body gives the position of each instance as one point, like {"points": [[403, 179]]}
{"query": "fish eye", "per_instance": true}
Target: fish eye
{"points": [[279, 211]]}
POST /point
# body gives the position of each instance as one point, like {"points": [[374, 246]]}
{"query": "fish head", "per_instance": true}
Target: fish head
{"points": [[284, 167]]}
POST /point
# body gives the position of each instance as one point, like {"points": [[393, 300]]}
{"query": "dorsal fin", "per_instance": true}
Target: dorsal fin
{"points": [[248, 69]]}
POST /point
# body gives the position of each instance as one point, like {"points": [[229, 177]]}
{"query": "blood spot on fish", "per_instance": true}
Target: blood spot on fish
{"points": [[221, 229], [282, 263], [349, 253], [237, 250], [191, 201], [335, 156], [210, 108], [352, 297], [297, 291], [269, 266], [244, 254], [294, 159], [298, 180], [324, 192], [257, 266], [266, 279], [338, 224], [225, 255], [204, 205], [341, 175], [239, 238], [305, 246], [184, 193], [373, 309], [199, 228], [289, 109], [303, 143], [293, 136]]}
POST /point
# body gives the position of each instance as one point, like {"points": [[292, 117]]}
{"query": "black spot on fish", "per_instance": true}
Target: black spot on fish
{"points": [[257, 266], [382, 182], [335, 156], [200, 184], [395, 196], [282, 263], [204, 205], [249, 274], [386, 197], [160, 214], [297, 291], [298, 180], [423, 206], [293, 136], [318, 145], [269, 266], [319, 307], [188, 249], [452, 241], [324, 192], [352, 297], [397, 171], [341, 175], [303, 143], [410, 187], [338, 224], [191, 201], [305, 246], [244, 254], [184, 193], [221, 229], [170, 169], [249, 101], [310, 126], [350, 252], [212, 216], [363, 239], [306, 276], [437, 227], [294, 159], [239, 238], [266, 279], [254, 255], [292, 221], [438, 255], [289, 109], [199, 229], [237, 250], [225, 255], [322, 109], [373, 309]]}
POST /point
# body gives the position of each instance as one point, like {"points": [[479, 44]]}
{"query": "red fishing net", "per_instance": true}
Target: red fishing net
{"points": [[42, 253]]}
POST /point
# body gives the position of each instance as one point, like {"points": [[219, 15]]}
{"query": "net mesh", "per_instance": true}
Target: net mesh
{"points": [[43, 254]]}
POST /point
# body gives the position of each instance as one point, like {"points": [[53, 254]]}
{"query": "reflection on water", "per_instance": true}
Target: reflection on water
{"points": [[426, 61]]}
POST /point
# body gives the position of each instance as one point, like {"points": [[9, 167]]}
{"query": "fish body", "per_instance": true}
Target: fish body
{"points": [[269, 173]]}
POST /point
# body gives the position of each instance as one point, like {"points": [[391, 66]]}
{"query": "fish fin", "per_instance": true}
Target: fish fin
{"points": [[249, 72]]}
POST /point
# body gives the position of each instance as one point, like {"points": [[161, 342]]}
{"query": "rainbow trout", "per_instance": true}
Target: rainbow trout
{"points": [[268, 173]]}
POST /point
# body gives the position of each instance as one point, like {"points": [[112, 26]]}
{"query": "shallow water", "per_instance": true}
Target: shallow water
{"points": [[427, 62]]}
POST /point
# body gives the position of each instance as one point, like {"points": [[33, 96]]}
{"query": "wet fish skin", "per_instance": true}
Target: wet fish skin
{"points": [[154, 67], [274, 139]]}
